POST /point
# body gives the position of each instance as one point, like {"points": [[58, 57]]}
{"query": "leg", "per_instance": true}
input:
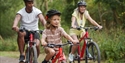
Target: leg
{"points": [[74, 47], [21, 44], [37, 46], [50, 53], [37, 40]]}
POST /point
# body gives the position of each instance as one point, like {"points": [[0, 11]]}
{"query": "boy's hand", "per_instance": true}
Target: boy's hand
{"points": [[75, 41]]}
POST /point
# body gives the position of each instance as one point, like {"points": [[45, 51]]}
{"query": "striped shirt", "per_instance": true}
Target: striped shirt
{"points": [[54, 38]]}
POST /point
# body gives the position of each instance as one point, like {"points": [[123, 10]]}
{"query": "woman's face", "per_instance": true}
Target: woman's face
{"points": [[55, 20], [82, 9]]}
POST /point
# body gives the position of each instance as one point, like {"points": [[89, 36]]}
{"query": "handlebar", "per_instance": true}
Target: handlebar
{"points": [[87, 28], [32, 31], [58, 45]]}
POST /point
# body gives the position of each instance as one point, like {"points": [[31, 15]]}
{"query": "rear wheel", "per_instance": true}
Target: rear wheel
{"points": [[94, 53]]}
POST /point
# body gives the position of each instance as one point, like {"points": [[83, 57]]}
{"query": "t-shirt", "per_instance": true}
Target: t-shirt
{"points": [[78, 21], [54, 38], [29, 20]]}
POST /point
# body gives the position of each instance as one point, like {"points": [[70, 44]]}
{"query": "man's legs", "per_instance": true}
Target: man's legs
{"points": [[37, 46], [21, 45]]}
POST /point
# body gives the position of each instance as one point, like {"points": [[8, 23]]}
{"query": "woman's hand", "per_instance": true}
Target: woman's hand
{"points": [[100, 27]]}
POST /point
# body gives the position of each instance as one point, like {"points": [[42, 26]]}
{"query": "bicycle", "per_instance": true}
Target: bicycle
{"points": [[91, 49], [58, 57], [31, 51]]}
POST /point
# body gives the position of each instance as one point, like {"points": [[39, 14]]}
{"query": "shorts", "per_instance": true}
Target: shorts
{"points": [[36, 36], [76, 32]]}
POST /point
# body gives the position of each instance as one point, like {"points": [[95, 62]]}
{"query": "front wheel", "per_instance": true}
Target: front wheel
{"points": [[31, 55], [93, 53]]}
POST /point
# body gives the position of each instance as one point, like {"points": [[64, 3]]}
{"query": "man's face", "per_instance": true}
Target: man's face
{"points": [[82, 9], [29, 5]]}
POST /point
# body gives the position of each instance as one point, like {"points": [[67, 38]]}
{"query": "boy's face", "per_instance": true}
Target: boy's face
{"points": [[55, 20]]}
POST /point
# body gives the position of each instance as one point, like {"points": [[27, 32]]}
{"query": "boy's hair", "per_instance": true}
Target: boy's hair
{"points": [[49, 14]]}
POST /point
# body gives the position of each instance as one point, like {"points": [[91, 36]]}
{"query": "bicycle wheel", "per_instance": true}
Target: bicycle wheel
{"points": [[27, 54], [31, 55], [93, 53]]}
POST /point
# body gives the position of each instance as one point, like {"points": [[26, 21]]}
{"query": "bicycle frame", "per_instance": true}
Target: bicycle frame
{"points": [[58, 56], [88, 47], [81, 52]]}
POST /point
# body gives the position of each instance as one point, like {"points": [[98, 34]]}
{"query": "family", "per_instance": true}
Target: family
{"points": [[29, 16]]}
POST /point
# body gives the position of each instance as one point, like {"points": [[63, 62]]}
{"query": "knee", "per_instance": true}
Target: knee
{"points": [[21, 34], [52, 52]]}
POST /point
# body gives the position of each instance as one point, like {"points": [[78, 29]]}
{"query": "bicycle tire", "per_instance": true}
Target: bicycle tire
{"points": [[31, 55], [94, 50], [27, 54]]}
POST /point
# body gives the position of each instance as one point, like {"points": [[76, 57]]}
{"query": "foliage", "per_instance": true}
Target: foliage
{"points": [[9, 44], [7, 13], [112, 45]]}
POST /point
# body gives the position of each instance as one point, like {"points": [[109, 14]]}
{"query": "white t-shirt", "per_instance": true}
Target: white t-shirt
{"points": [[29, 20]]}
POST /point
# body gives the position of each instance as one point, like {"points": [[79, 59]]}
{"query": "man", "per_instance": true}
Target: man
{"points": [[78, 19], [28, 17]]}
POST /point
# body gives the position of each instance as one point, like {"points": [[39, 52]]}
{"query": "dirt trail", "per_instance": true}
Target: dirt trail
{"points": [[11, 60], [8, 60]]}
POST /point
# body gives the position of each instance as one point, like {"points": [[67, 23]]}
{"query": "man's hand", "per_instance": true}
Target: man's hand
{"points": [[15, 29]]}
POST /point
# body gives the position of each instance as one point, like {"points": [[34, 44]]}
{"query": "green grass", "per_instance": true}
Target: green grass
{"points": [[13, 54]]}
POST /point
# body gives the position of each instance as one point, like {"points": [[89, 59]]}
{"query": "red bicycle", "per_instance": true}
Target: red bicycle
{"points": [[91, 49], [31, 51], [59, 55]]}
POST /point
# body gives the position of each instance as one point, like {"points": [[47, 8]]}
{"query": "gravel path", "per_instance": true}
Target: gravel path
{"points": [[8, 60]]}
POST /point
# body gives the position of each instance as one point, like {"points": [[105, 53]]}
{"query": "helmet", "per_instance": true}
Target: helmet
{"points": [[27, 0], [81, 3], [50, 13]]}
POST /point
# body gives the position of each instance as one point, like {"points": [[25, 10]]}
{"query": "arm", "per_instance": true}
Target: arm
{"points": [[15, 23], [73, 22], [69, 38], [93, 22], [43, 42], [42, 20]]}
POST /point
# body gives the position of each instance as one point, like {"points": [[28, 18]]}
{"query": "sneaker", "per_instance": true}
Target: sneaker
{"points": [[90, 56], [22, 59], [71, 56]]}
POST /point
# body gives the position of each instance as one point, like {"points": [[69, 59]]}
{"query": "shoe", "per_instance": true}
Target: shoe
{"points": [[90, 56], [71, 56], [22, 59]]}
